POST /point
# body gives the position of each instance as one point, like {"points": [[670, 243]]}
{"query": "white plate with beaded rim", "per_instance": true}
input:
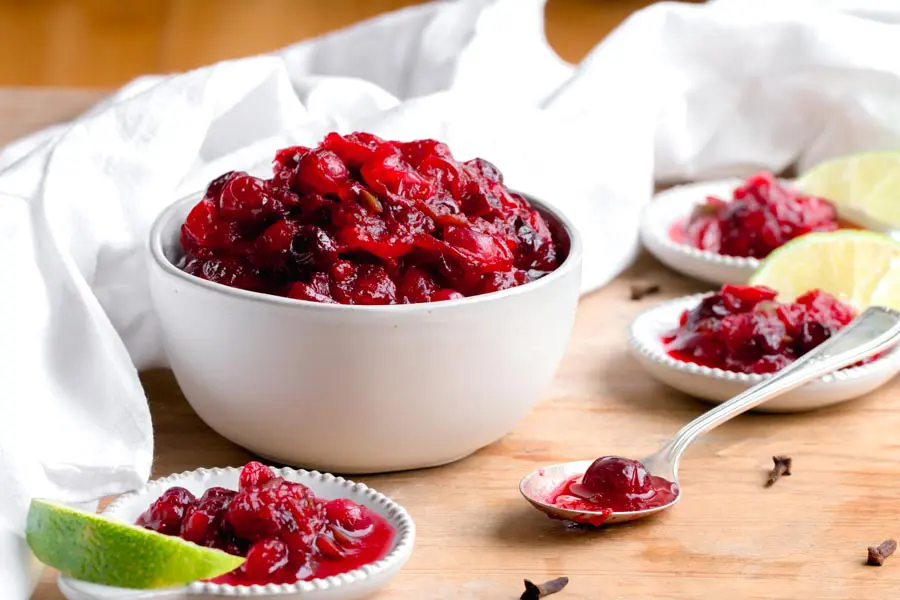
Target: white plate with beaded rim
{"points": [[673, 206], [717, 385], [358, 583]]}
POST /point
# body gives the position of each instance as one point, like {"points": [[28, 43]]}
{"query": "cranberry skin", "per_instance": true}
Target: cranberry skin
{"points": [[481, 250], [317, 289], [320, 171], [246, 199], [615, 475], [287, 159], [312, 246], [347, 515], [355, 148], [254, 474], [166, 514], [266, 558], [257, 513], [203, 521], [204, 228], [230, 271]]}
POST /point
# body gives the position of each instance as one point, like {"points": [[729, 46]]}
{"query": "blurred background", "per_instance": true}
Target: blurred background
{"points": [[105, 43]]}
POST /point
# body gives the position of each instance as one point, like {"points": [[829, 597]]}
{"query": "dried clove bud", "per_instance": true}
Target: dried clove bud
{"points": [[878, 554], [534, 592], [639, 291], [782, 468]]}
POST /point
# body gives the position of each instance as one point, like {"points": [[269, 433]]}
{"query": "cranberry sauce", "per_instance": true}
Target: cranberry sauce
{"points": [[613, 484], [286, 533], [761, 215], [361, 220], [744, 329]]}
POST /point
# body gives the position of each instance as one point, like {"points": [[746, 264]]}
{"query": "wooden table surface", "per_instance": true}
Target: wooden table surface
{"points": [[805, 537]]}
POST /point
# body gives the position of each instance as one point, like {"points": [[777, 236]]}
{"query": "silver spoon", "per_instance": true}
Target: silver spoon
{"points": [[873, 331]]}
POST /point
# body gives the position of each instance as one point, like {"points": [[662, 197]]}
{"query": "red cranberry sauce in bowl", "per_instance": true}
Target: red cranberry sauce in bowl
{"points": [[762, 214], [745, 329], [285, 531], [358, 220]]}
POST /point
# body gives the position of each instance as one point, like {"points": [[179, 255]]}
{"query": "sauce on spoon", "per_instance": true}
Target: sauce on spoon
{"points": [[613, 484]]}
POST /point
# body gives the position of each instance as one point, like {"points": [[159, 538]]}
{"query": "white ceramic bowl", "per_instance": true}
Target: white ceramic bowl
{"points": [[675, 204], [358, 583], [717, 385], [360, 389]]}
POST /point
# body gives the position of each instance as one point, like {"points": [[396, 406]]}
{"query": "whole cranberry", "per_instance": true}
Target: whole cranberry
{"points": [[246, 199], [257, 513], [167, 512], [203, 521], [614, 475], [320, 171], [254, 474], [347, 515], [265, 558]]}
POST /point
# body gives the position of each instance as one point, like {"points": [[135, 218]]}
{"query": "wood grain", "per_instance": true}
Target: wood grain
{"points": [[108, 42]]}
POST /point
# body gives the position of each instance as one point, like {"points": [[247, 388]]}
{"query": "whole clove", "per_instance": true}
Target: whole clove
{"points": [[534, 591], [639, 291], [878, 554], [782, 469]]}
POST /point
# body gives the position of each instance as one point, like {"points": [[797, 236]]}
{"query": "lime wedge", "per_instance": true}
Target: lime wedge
{"points": [[92, 548], [862, 186], [861, 268]]}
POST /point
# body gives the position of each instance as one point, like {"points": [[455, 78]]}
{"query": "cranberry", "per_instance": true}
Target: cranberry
{"points": [[202, 523], [621, 475], [255, 474], [166, 514], [258, 513], [614, 484], [744, 328], [761, 216], [265, 558], [347, 514], [246, 199], [320, 171], [346, 221]]}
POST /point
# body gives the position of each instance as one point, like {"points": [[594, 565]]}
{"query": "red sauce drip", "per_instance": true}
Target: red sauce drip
{"points": [[613, 484]]}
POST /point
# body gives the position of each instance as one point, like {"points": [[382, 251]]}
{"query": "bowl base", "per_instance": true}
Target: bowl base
{"points": [[345, 470]]}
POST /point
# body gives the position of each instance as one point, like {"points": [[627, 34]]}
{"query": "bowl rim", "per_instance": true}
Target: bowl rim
{"points": [[399, 518], [165, 221], [651, 351], [650, 223]]}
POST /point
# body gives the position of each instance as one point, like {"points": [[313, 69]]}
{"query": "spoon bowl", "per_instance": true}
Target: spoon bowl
{"points": [[874, 331], [537, 487]]}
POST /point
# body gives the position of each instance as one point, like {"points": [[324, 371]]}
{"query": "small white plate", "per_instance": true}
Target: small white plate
{"points": [[675, 204], [354, 584], [717, 385]]}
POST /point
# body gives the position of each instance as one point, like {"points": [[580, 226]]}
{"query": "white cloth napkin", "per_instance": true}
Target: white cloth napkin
{"points": [[677, 92]]}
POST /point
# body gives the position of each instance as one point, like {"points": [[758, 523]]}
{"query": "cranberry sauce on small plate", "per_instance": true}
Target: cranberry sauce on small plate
{"points": [[304, 534], [715, 346], [719, 231]]}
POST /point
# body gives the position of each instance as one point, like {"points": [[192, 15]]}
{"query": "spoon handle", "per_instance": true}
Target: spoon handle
{"points": [[874, 330]]}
